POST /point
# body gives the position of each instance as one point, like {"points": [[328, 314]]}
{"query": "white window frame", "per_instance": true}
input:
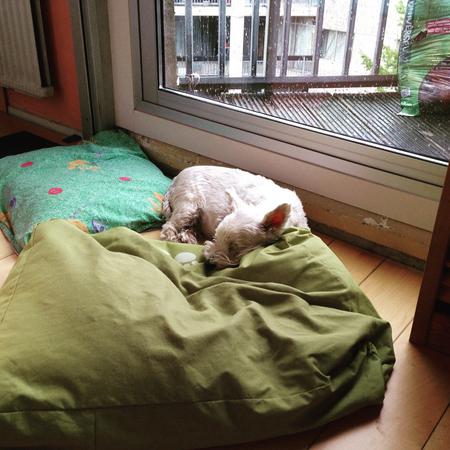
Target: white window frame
{"points": [[390, 183]]}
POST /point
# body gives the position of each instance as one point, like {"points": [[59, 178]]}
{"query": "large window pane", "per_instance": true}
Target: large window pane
{"points": [[326, 64]]}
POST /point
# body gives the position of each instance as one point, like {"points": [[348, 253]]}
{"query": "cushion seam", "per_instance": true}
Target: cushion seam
{"points": [[99, 408]]}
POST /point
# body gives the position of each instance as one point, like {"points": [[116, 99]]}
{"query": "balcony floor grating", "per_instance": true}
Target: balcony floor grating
{"points": [[370, 117]]}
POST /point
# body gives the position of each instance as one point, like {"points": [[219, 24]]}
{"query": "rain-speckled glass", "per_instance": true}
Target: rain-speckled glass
{"points": [[328, 64]]}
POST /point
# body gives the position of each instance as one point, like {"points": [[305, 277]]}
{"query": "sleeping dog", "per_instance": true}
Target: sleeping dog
{"points": [[234, 210]]}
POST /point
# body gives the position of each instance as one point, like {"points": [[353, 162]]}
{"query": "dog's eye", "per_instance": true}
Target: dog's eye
{"points": [[233, 248]]}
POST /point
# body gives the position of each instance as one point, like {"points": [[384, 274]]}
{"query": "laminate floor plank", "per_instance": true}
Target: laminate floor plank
{"points": [[393, 289], [440, 438], [325, 238], [417, 395], [360, 263]]}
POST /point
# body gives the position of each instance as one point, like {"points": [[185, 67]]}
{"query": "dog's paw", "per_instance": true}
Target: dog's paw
{"points": [[169, 233], [208, 249], [187, 236]]}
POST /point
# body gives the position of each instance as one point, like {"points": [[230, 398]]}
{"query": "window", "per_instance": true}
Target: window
{"points": [[332, 48], [204, 45], [312, 74]]}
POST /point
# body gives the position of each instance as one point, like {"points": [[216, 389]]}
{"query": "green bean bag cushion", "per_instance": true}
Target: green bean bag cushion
{"points": [[109, 341], [97, 186]]}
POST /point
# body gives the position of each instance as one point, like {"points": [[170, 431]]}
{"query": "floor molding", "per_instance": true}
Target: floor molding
{"points": [[62, 129]]}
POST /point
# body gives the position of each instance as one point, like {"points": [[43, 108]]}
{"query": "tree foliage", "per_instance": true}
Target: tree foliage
{"points": [[389, 56]]}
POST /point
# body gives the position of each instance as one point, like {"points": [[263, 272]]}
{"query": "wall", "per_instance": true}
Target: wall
{"points": [[64, 106]]}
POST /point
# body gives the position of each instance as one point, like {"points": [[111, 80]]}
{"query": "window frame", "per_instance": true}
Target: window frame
{"points": [[410, 197], [391, 167]]}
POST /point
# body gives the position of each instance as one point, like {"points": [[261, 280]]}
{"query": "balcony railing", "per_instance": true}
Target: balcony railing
{"points": [[202, 2], [294, 2], [247, 2], [274, 72]]}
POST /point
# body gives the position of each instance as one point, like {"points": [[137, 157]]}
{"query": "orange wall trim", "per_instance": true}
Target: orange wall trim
{"points": [[2, 100], [64, 106]]}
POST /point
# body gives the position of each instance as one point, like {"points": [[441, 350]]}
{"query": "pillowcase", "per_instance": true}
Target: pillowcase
{"points": [[96, 185]]}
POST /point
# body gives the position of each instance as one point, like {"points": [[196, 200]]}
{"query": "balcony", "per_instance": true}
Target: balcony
{"points": [[282, 69]]}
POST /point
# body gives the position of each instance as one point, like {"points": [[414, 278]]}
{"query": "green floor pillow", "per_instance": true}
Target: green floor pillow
{"points": [[96, 186], [110, 341]]}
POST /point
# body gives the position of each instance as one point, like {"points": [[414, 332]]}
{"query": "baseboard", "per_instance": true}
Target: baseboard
{"points": [[61, 129], [3, 105], [358, 241], [381, 235]]}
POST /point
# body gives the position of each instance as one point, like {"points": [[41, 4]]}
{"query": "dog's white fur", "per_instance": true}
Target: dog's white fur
{"points": [[235, 210]]}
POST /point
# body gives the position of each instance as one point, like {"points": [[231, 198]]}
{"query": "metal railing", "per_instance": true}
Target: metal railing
{"points": [[247, 2], [310, 3], [202, 2], [272, 75]]}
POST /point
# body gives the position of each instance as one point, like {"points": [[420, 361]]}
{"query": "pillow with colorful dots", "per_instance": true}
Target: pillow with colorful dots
{"points": [[97, 185]]}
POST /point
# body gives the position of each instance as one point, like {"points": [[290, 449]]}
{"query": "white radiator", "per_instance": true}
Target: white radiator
{"points": [[23, 55]]}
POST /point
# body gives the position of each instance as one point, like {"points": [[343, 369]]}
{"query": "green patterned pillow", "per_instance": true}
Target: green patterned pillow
{"points": [[96, 186]]}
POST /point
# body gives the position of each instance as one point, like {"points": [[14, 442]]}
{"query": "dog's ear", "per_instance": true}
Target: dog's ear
{"points": [[274, 220], [234, 201]]}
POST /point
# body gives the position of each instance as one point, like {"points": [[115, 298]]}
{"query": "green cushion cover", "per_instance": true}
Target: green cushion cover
{"points": [[97, 185], [110, 341]]}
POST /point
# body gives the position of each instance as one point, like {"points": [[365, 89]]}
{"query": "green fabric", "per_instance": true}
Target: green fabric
{"points": [[423, 69], [98, 186], [108, 342]]}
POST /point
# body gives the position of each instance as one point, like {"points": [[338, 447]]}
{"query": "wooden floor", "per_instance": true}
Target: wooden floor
{"points": [[416, 411]]}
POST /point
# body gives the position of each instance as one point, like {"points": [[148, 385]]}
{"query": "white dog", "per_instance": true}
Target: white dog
{"points": [[235, 210]]}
